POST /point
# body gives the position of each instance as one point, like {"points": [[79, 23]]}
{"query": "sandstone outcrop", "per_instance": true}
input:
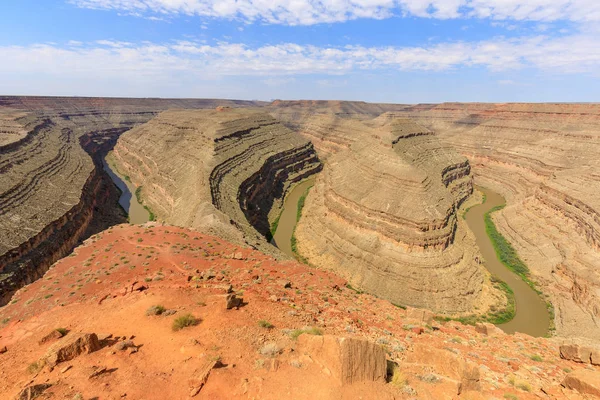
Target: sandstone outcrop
{"points": [[584, 381], [383, 214], [349, 360], [545, 160], [70, 347], [234, 165]]}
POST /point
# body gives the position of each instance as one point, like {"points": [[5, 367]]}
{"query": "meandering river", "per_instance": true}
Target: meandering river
{"points": [[531, 315], [287, 221], [137, 213]]}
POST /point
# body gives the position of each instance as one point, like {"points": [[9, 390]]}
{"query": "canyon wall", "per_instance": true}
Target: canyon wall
{"points": [[383, 213], [221, 171], [545, 159], [53, 191]]}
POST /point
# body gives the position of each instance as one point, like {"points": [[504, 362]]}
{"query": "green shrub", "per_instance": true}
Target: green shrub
{"points": [[311, 331], [156, 310], [265, 324], [185, 321]]}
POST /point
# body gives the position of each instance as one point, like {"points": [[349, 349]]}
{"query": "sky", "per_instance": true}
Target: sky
{"points": [[394, 51]]}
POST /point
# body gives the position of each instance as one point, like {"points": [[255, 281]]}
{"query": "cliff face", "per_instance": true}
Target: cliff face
{"points": [[53, 192], [203, 169], [383, 215], [545, 159]]}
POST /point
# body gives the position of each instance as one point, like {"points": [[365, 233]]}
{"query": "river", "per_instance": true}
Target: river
{"points": [[287, 220], [136, 212], [531, 315]]}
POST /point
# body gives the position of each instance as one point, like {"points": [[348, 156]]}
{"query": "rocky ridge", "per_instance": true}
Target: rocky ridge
{"points": [[203, 169]]}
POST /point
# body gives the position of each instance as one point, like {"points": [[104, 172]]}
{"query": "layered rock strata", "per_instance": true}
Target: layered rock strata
{"points": [[53, 191], [545, 159], [221, 170], [383, 215]]}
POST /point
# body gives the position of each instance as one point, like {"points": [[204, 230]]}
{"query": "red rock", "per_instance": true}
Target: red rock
{"points": [[488, 329], [348, 359], [514, 365], [200, 377], [575, 352], [585, 381], [418, 330], [71, 347], [51, 337]]}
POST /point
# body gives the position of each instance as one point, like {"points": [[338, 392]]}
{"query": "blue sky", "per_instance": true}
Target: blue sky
{"points": [[401, 51]]}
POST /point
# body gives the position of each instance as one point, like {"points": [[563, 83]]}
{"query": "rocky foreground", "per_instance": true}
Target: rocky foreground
{"points": [[160, 312]]}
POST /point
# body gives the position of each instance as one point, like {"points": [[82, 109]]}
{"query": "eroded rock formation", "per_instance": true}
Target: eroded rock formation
{"points": [[205, 169], [53, 192], [384, 215], [545, 159]]}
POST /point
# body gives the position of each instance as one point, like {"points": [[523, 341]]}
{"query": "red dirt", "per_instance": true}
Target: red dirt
{"points": [[90, 292]]}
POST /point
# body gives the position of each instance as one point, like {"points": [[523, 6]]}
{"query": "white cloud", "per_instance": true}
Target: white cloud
{"points": [[308, 12], [190, 61]]}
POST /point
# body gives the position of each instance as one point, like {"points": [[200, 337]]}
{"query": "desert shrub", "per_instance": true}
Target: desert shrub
{"points": [[155, 310], [536, 357], [184, 321], [62, 331], [311, 331], [265, 324]]}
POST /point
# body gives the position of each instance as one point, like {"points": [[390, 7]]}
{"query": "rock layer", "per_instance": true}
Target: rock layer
{"points": [[545, 159], [53, 191], [205, 169], [383, 215]]}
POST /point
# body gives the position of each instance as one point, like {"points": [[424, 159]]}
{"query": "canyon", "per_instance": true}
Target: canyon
{"points": [[380, 254], [543, 158]]}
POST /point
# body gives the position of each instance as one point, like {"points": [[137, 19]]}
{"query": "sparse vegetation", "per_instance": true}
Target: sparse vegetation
{"points": [[536, 357], [398, 378], [293, 240], [156, 310], [36, 366], [265, 324], [311, 331], [62, 331], [185, 321]]}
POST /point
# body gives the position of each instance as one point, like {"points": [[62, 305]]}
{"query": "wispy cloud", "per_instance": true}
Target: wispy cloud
{"points": [[294, 12], [108, 58]]}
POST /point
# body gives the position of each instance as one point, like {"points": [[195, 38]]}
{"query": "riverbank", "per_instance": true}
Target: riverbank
{"points": [[531, 312], [284, 225]]}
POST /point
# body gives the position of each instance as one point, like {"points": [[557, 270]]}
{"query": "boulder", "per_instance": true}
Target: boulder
{"points": [[447, 364], [51, 337], [233, 301], [348, 360], [488, 329], [3, 350], [595, 357], [575, 352], [70, 347], [200, 377], [585, 381]]}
